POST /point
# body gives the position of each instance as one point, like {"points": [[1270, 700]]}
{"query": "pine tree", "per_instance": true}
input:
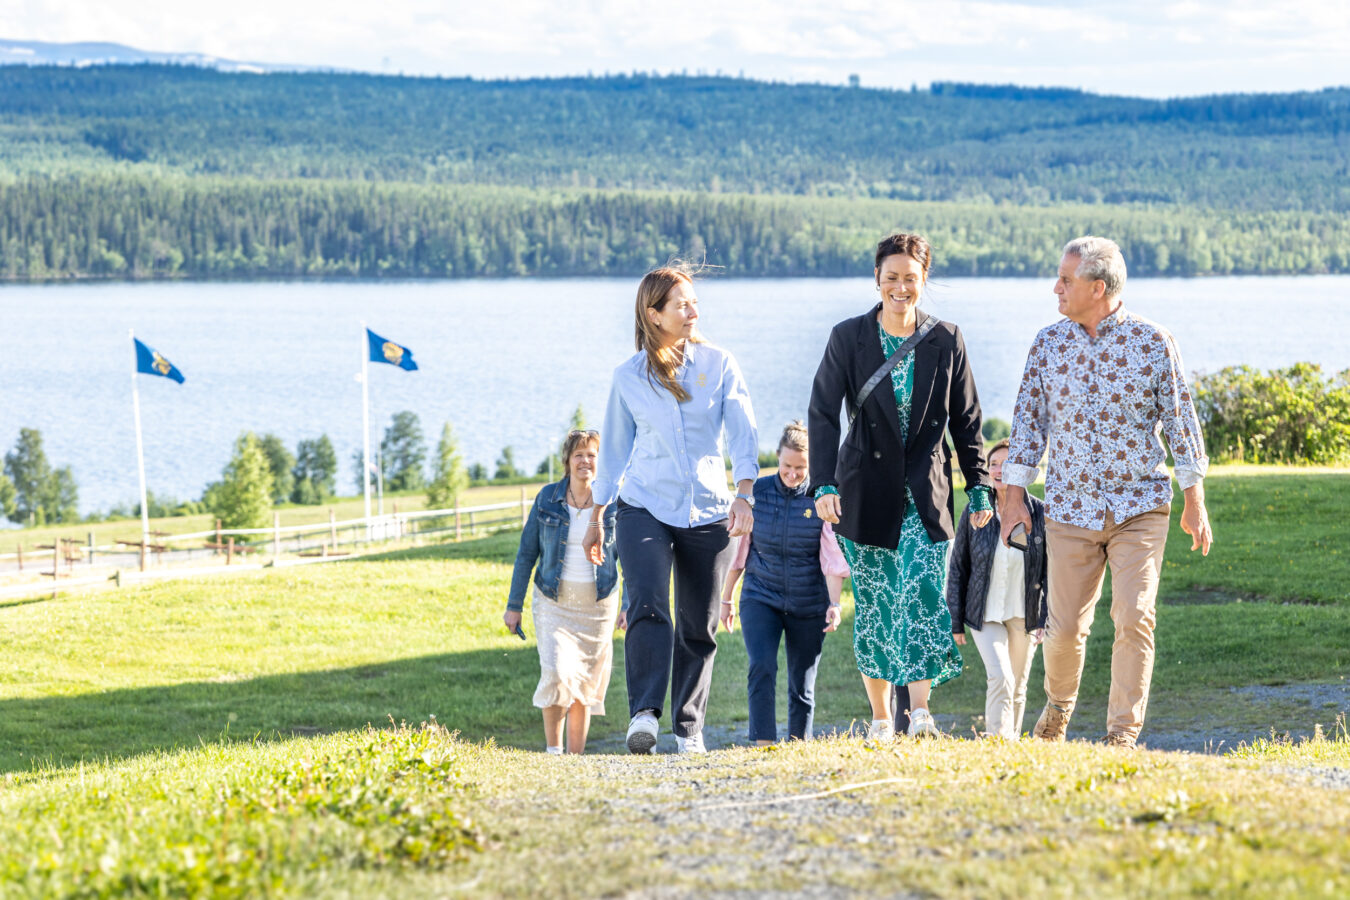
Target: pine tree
{"points": [[243, 496], [449, 477]]}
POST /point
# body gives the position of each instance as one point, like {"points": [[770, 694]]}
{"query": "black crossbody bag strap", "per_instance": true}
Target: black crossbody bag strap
{"points": [[920, 332]]}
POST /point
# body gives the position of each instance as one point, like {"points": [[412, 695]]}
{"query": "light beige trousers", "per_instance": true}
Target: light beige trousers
{"points": [[1007, 652], [1077, 559]]}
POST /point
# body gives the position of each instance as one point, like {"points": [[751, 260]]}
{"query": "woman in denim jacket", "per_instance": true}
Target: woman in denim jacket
{"points": [[574, 606]]}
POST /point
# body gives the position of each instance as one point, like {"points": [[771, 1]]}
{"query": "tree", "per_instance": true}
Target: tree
{"points": [[280, 462], [506, 465], [477, 472], [404, 452], [448, 477], [243, 496], [28, 469], [315, 471], [996, 429], [7, 496], [40, 494]]}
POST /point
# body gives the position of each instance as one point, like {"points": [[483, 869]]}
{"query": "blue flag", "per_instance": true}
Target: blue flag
{"points": [[149, 361], [389, 352]]}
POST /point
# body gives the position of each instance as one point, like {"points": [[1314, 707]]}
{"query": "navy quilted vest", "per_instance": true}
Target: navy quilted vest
{"points": [[783, 567]]}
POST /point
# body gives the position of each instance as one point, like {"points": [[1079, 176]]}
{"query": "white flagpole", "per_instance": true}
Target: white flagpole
{"points": [[365, 418], [140, 452]]}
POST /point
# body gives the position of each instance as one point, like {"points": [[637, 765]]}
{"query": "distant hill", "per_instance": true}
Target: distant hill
{"points": [[156, 170], [951, 142], [100, 53]]}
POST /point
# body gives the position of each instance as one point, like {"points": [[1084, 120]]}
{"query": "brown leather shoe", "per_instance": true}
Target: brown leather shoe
{"points": [[1053, 724], [1119, 739]]}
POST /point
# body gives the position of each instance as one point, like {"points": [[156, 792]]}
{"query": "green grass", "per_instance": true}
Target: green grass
{"points": [[208, 735]]}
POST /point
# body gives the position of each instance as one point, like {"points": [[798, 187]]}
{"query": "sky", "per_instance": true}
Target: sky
{"points": [[1143, 48]]}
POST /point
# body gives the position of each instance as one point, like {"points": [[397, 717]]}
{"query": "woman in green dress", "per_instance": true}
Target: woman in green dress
{"points": [[888, 487]]}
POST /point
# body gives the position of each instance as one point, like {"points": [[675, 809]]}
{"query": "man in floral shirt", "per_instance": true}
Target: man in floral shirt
{"points": [[1098, 388]]}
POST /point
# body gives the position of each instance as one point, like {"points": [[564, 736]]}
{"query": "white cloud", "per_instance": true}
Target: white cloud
{"points": [[1149, 47]]}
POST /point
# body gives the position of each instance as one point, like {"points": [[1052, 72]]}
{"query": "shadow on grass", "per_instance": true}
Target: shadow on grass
{"points": [[482, 693]]}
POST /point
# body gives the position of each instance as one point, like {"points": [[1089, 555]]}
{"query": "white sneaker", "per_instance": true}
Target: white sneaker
{"points": [[691, 744], [880, 730], [642, 732], [921, 724]]}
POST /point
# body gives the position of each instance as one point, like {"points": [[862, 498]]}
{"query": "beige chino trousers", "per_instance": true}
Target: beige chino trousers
{"points": [[1077, 563]]}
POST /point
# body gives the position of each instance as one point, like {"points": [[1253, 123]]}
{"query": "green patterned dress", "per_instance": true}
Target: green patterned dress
{"points": [[902, 631]]}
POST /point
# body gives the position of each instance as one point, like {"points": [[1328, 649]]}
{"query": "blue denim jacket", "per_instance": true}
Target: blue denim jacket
{"points": [[544, 541]]}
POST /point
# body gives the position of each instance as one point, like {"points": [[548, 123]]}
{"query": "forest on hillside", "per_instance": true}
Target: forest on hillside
{"points": [[121, 226], [162, 171]]}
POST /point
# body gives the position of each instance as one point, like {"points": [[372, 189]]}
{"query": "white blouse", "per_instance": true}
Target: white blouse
{"points": [[1007, 586], [575, 566]]}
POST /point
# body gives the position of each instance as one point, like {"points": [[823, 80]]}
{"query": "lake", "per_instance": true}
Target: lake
{"points": [[506, 362]]}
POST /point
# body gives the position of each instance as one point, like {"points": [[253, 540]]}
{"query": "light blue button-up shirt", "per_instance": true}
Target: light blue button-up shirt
{"points": [[666, 456]]}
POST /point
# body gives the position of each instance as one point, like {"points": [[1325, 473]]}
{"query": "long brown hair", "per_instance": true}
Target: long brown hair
{"points": [[652, 293]]}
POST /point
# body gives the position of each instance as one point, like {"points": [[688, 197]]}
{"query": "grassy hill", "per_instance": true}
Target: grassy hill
{"points": [[209, 736]]}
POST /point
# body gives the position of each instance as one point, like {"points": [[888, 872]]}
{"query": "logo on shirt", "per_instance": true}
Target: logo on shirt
{"points": [[806, 513], [702, 380]]}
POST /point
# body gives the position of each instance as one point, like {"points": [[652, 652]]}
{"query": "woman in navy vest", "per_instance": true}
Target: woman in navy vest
{"points": [[794, 572]]}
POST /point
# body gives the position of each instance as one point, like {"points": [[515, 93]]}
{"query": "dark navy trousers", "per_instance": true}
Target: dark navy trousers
{"points": [[661, 651], [764, 627]]}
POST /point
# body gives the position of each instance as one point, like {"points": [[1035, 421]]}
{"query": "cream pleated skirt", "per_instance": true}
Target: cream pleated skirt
{"points": [[576, 645]]}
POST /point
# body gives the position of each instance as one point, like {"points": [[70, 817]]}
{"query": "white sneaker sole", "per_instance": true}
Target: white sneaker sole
{"points": [[641, 742]]}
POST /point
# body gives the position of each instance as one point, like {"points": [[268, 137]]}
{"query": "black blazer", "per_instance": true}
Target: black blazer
{"points": [[872, 467], [972, 559]]}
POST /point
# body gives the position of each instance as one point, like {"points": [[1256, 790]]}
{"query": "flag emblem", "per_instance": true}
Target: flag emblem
{"points": [[383, 350], [150, 361]]}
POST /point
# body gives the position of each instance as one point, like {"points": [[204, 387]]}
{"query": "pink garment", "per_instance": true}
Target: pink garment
{"points": [[832, 560]]}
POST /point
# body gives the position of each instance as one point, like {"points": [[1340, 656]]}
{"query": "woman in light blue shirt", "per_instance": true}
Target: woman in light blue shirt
{"points": [[661, 460]]}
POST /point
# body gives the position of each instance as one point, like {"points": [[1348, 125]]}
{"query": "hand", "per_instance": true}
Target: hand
{"points": [[593, 545], [512, 619], [827, 507], [728, 616], [1038, 637], [1011, 511], [1195, 521], [832, 617], [741, 519], [622, 622], [960, 638], [981, 519]]}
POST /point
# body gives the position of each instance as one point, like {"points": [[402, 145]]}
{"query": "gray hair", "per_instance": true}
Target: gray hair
{"points": [[1099, 259]]}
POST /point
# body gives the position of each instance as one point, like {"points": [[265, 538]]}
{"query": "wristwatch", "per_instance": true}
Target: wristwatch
{"points": [[748, 498]]}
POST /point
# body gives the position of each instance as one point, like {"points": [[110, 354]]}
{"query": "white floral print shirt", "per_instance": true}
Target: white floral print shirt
{"points": [[1098, 406]]}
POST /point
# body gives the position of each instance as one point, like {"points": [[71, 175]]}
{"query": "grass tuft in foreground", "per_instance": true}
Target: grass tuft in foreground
{"points": [[247, 820]]}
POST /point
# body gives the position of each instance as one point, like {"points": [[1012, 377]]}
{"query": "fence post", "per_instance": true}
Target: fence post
{"points": [[470, 523], [229, 551], [19, 550], [332, 526], [524, 509], [144, 550], [218, 540], [56, 565], [456, 531], [276, 536], [91, 548]]}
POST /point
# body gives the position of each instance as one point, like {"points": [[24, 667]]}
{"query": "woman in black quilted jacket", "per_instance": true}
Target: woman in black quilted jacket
{"points": [[999, 593]]}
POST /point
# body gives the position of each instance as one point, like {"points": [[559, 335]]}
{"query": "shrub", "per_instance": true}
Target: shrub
{"points": [[1293, 415]]}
